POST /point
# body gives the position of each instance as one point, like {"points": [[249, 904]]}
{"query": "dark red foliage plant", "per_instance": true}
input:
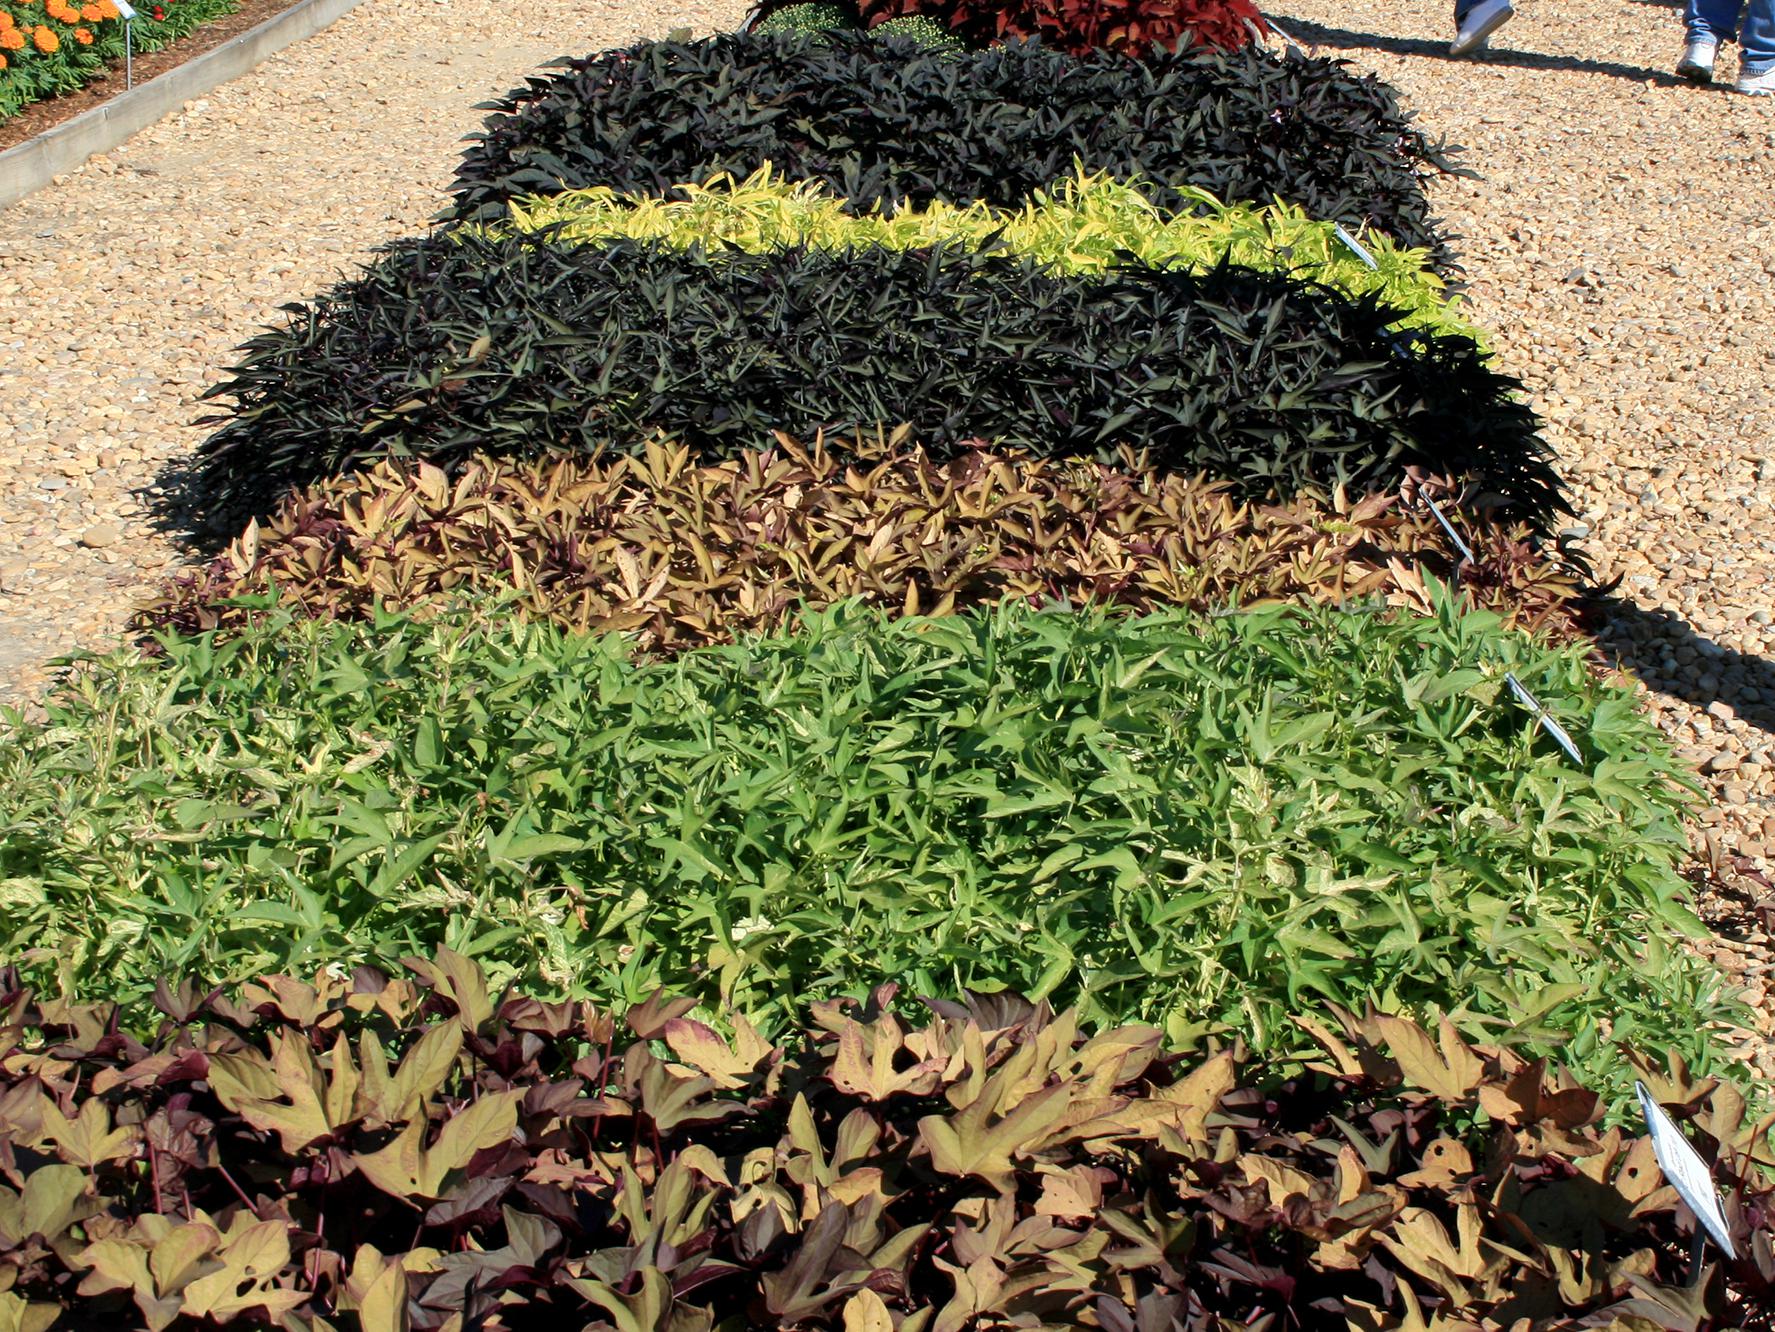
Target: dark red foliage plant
{"points": [[1132, 27], [394, 1155]]}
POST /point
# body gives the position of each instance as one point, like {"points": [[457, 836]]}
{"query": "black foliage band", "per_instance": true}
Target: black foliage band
{"points": [[882, 120], [458, 344]]}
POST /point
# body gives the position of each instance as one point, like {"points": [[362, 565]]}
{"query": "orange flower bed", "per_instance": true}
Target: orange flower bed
{"points": [[50, 47]]}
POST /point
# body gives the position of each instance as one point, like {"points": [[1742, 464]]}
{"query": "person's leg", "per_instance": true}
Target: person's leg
{"points": [[1756, 48], [1706, 24], [1717, 19], [1476, 21]]}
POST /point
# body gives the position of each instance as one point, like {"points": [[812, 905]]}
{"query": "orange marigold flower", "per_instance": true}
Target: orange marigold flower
{"points": [[47, 41], [107, 9], [92, 13], [2, 62], [60, 12], [82, 36], [12, 40]]}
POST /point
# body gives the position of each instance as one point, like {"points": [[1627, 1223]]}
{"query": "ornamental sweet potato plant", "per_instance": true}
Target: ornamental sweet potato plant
{"points": [[416, 1152], [1082, 224], [818, 18], [463, 343], [1131, 27], [883, 121], [1198, 821], [676, 555]]}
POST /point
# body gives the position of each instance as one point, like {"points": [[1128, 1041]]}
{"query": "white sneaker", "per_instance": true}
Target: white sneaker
{"points": [[1757, 85], [1697, 63], [1481, 22]]}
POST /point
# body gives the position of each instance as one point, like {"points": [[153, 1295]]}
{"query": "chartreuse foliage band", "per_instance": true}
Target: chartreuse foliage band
{"points": [[1206, 822], [1084, 224]]}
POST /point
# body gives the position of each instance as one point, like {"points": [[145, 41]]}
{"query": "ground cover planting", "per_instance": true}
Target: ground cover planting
{"points": [[49, 47], [885, 122], [464, 343], [675, 554], [1133, 27], [819, 18], [421, 1153], [1084, 224], [912, 540], [403, 1146], [1196, 821]]}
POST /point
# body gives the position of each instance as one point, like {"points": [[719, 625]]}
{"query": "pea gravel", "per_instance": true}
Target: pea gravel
{"points": [[1619, 241], [125, 286]]}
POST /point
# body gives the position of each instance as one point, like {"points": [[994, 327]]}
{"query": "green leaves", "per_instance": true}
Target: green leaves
{"points": [[1198, 822]]}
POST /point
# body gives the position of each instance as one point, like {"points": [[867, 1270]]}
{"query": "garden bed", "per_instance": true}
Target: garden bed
{"points": [[38, 116], [568, 656]]}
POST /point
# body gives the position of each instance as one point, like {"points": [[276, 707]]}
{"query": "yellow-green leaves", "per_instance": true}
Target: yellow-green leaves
{"points": [[195, 1269], [1201, 822], [1087, 223], [407, 1167]]}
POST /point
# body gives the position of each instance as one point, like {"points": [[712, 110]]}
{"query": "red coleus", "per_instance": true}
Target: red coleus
{"points": [[1131, 26]]}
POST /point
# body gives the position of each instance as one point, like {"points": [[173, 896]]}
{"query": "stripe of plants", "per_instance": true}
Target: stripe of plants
{"points": [[1133, 27], [679, 555], [885, 122], [465, 343], [1204, 822], [1082, 224], [429, 1143]]}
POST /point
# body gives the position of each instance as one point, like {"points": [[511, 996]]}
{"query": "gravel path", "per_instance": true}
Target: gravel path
{"points": [[1620, 242], [124, 288]]}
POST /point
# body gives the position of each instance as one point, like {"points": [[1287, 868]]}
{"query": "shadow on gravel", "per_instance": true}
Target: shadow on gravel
{"points": [[177, 507], [1343, 39], [1637, 639]]}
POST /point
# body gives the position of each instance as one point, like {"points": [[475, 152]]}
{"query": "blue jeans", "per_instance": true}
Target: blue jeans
{"points": [[1719, 19]]}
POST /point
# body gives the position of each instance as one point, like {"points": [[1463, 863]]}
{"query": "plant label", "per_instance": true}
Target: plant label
{"points": [[1549, 722], [1465, 550], [1353, 245], [125, 10], [1687, 1172]]}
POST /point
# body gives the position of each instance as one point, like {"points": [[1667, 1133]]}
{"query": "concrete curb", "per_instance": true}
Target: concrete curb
{"points": [[34, 163]]}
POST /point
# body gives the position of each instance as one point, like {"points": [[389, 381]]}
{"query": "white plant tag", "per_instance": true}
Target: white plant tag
{"points": [[124, 9], [1448, 527], [1549, 722], [1687, 1172], [1354, 246]]}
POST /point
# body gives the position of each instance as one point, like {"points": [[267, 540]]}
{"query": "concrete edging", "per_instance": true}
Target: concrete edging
{"points": [[64, 147]]}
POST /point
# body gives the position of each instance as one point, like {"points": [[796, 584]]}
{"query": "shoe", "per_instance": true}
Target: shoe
{"points": [[1757, 85], [1481, 22], [1697, 63]]}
